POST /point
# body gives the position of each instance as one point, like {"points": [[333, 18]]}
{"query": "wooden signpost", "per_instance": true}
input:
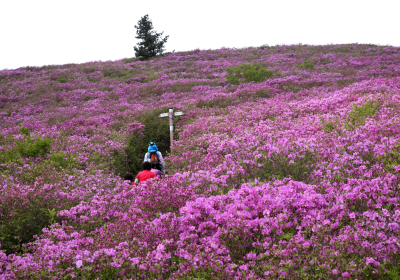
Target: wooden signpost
{"points": [[171, 116]]}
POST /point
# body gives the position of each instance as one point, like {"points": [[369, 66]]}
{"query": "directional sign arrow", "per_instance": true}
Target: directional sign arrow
{"points": [[167, 114]]}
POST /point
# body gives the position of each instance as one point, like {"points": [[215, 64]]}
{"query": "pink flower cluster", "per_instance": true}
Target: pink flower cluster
{"points": [[296, 177]]}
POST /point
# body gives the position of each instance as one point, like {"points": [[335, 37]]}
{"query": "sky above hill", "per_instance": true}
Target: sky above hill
{"points": [[42, 32]]}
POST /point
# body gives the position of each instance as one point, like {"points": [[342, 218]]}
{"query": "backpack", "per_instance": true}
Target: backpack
{"points": [[154, 159]]}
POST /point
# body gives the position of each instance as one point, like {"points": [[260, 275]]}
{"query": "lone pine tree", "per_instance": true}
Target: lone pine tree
{"points": [[151, 42]]}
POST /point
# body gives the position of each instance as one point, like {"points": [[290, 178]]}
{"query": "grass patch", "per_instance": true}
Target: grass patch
{"points": [[306, 65], [358, 116], [247, 73], [219, 102]]}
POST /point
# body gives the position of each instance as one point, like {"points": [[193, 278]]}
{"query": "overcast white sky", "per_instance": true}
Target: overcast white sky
{"points": [[44, 32]]}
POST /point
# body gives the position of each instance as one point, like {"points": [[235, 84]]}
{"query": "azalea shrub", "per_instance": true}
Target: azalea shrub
{"points": [[289, 175]]}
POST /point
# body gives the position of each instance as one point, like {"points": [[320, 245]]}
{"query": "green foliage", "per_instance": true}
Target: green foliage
{"points": [[360, 113], [389, 270], [62, 80], [10, 156], [62, 161], [232, 80], [24, 131], [151, 42], [156, 130], [29, 147], [307, 65], [247, 72], [24, 224], [220, 102], [89, 70], [263, 93], [238, 242], [327, 126], [279, 166], [392, 271], [33, 147], [391, 159], [265, 46]]}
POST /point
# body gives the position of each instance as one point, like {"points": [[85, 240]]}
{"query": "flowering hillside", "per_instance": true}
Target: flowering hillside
{"points": [[292, 175]]}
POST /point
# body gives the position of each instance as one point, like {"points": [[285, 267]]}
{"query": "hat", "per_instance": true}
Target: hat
{"points": [[152, 147]]}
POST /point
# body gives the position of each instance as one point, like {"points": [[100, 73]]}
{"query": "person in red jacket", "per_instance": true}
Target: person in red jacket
{"points": [[145, 174]]}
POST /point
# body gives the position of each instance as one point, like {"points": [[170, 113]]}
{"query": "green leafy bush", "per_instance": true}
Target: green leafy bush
{"points": [[391, 159], [360, 113], [307, 65], [24, 224], [62, 80], [29, 147], [279, 166], [328, 126], [63, 161], [247, 72]]}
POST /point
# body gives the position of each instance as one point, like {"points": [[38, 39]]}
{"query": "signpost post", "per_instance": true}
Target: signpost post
{"points": [[171, 116]]}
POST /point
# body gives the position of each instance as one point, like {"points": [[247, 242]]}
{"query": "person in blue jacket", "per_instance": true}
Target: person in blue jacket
{"points": [[154, 156]]}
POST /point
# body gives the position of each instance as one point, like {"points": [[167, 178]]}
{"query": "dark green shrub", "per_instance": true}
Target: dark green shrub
{"points": [[265, 46], [232, 80], [62, 80], [25, 224], [248, 72], [156, 130], [307, 65]]}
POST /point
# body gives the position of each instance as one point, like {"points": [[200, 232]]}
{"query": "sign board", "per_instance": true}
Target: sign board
{"points": [[171, 114], [175, 114]]}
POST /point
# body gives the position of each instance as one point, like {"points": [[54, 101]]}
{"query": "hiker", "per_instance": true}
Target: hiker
{"points": [[129, 176], [155, 169], [154, 156], [145, 174]]}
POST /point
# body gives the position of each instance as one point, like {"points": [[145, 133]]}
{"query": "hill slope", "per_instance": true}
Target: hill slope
{"points": [[293, 177]]}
